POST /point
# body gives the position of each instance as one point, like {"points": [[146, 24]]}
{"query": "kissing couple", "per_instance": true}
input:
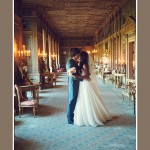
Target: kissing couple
{"points": [[85, 105]]}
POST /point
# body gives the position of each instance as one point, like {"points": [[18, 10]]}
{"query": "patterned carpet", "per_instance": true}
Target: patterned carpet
{"points": [[49, 129]]}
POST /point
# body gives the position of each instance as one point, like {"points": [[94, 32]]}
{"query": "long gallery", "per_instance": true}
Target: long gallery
{"points": [[44, 33]]}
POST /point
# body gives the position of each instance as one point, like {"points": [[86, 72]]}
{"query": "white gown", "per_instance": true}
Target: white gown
{"points": [[90, 109]]}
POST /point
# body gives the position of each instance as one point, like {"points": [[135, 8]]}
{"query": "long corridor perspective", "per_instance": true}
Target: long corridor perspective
{"points": [[49, 129]]}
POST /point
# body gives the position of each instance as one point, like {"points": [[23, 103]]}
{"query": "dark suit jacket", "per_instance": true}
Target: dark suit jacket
{"points": [[73, 83]]}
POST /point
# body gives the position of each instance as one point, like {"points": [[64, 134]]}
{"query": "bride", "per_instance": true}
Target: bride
{"points": [[90, 109]]}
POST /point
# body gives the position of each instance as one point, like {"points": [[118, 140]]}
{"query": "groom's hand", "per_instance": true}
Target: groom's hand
{"points": [[74, 76], [87, 78]]}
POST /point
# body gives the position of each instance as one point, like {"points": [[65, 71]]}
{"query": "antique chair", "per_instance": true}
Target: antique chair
{"points": [[110, 75], [128, 90], [134, 97], [46, 80], [54, 77], [51, 78], [23, 102]]}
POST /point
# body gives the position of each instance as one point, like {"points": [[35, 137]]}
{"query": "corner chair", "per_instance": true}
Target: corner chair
{"points": [[24, 102]]}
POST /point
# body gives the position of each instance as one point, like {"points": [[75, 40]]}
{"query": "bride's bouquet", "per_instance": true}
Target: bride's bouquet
{"points": [[71, 71]]}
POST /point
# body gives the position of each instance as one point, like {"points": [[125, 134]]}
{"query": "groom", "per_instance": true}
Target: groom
{"points": [[73, 84]]}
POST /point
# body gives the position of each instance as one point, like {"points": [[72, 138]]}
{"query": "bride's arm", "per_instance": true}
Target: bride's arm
{"points": [[86, 72]]}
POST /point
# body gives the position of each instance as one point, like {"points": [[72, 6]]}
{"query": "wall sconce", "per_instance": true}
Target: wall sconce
{"points": [[24, 53], [27, 53], [122, 62], [54, 56], [42, 54], [106, 53], [94, 51]]}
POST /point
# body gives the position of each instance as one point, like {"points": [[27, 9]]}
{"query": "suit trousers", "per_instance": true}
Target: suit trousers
{"points": [[72, 97]]}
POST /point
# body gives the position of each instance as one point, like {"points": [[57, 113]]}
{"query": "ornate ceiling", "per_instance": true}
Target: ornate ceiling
{"points": [[76, 18]]}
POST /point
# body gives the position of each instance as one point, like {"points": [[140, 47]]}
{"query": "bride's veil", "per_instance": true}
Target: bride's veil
{"points": [[94, 77], [92, 71]]}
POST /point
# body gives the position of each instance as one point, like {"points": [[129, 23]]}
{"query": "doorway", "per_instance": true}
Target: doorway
{"points": [[132, 60]]}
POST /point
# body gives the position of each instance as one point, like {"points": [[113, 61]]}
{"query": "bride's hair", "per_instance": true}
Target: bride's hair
{"points": [[87, 59], [84, 57]]}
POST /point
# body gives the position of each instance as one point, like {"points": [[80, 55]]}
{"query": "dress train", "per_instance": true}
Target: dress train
{"points": [[90, 109]]}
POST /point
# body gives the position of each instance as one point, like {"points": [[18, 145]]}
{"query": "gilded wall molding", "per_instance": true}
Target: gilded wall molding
{"points": [[129, 26]]}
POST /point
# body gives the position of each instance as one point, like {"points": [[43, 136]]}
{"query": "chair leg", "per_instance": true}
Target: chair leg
{"points": [[129, 99], [129, 102], [122, 97], [20, 112], [37, 109], [134, 105], [34, 111]]}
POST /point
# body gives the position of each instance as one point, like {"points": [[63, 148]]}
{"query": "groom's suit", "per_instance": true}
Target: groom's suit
{"points": [[73, 90]]}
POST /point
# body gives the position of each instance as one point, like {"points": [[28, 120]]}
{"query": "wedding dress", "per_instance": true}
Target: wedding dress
{"points": [[90, 109]]}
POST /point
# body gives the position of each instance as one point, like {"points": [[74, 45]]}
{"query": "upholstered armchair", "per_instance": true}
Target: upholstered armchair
{"points": [[128, 90], [24, 102], [46, 79]]}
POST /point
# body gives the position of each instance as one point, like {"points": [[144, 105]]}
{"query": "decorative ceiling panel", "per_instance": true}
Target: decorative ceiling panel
{"points": [[75, 18]]}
